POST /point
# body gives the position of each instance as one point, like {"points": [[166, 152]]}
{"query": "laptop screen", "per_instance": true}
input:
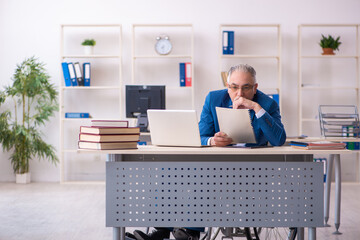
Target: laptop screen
{"points": [[174, 128]]}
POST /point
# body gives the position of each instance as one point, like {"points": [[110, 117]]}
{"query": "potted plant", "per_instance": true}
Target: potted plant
{"points": [[89, 46], [34, 101], [329, 44]]}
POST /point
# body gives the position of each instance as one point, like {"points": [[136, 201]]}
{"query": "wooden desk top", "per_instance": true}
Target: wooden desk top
{"points": [[150, 149]]}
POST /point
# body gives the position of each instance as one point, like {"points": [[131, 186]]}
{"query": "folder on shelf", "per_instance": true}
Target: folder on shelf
{"points": [[231, 42], [182, 74], [79, 77], [275, 97], [77, 115], [72, 74], [87, 73], [188, 77], [225, 42], [65, 69]]}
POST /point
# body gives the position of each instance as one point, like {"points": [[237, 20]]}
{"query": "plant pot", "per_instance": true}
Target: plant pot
{"points": [[328, 51], [88, 50], [23, 178]]}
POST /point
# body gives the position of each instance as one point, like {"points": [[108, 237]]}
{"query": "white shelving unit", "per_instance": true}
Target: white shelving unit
{"points": [[106, 88], [250, 48], [149, 68], [328, 79], [314, 81]]}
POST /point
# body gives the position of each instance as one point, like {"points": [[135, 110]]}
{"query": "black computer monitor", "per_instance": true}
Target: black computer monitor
{"points": [[140, 98]]}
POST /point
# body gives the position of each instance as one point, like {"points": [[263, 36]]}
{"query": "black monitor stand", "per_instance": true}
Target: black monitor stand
{"points": [[142, 122]]}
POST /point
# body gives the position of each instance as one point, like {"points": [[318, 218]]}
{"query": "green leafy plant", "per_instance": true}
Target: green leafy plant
{"points": [[35, 101], [330, 42], [89, 42]]}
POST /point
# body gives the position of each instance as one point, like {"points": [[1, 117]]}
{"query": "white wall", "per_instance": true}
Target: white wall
{"points": [[32, 27]]}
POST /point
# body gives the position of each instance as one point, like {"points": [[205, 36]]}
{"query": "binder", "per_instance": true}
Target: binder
{"points": [[72, 74], [87, 73], [77, 115], [225, 42], [231, 42], [275, 97], [79, 78], [65, 69], [188, 77], [182, 74]]}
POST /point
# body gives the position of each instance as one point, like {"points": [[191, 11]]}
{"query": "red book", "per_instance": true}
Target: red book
{"points": [[109, 137], [318, 145], [109, 123], [188, 74], [107, 145], [109, 130]]}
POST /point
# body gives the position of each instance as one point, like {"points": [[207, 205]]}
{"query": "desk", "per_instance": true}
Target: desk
{"points": [[214, 187], [333, 159]]}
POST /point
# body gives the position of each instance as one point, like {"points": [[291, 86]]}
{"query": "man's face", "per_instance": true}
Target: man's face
{"points": [[241, 84]]}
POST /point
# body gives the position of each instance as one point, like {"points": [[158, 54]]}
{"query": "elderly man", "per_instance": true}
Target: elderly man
{"points": [[242, 93]]}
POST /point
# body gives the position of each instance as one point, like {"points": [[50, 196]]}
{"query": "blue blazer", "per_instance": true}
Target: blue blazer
{"points": [[268, 128]]}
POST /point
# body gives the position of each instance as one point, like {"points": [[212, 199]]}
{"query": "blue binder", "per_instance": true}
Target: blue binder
{"points": [[77, 115], [231, 42], [182, 74], [275, 97], [72, 74], [65, 69], [87, 73]]}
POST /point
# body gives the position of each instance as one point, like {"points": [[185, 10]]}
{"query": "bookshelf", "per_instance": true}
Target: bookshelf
{"points": [[320, 80], [106, 89], [258, 45], [150, 68]]}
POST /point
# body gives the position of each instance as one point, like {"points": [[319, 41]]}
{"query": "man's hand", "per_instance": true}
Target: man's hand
{"points": [[220, 139], [243, 103]]}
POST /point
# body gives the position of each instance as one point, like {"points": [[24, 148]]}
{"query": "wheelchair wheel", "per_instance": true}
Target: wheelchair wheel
{"points": [[278, 234]]}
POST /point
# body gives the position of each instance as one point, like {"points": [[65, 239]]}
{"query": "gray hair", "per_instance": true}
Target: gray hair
{"points": [[242, 68]]}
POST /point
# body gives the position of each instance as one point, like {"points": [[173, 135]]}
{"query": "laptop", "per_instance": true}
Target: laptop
{"points": [[174, 128]]}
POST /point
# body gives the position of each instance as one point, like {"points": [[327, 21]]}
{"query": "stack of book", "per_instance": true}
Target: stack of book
{"points": [[323, 145], [108, 135]]}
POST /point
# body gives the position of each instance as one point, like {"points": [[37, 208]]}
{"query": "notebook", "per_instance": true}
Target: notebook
{"points": [[174, 128]]}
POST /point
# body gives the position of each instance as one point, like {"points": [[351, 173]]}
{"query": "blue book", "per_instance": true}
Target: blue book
{"points": [[87, 73], [182, 74], [77, 115], [231, 42], [225, 42], [72, 74], [66, 73]]}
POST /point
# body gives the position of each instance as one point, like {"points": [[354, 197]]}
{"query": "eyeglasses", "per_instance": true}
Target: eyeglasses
{"points": [[244, 88]]}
